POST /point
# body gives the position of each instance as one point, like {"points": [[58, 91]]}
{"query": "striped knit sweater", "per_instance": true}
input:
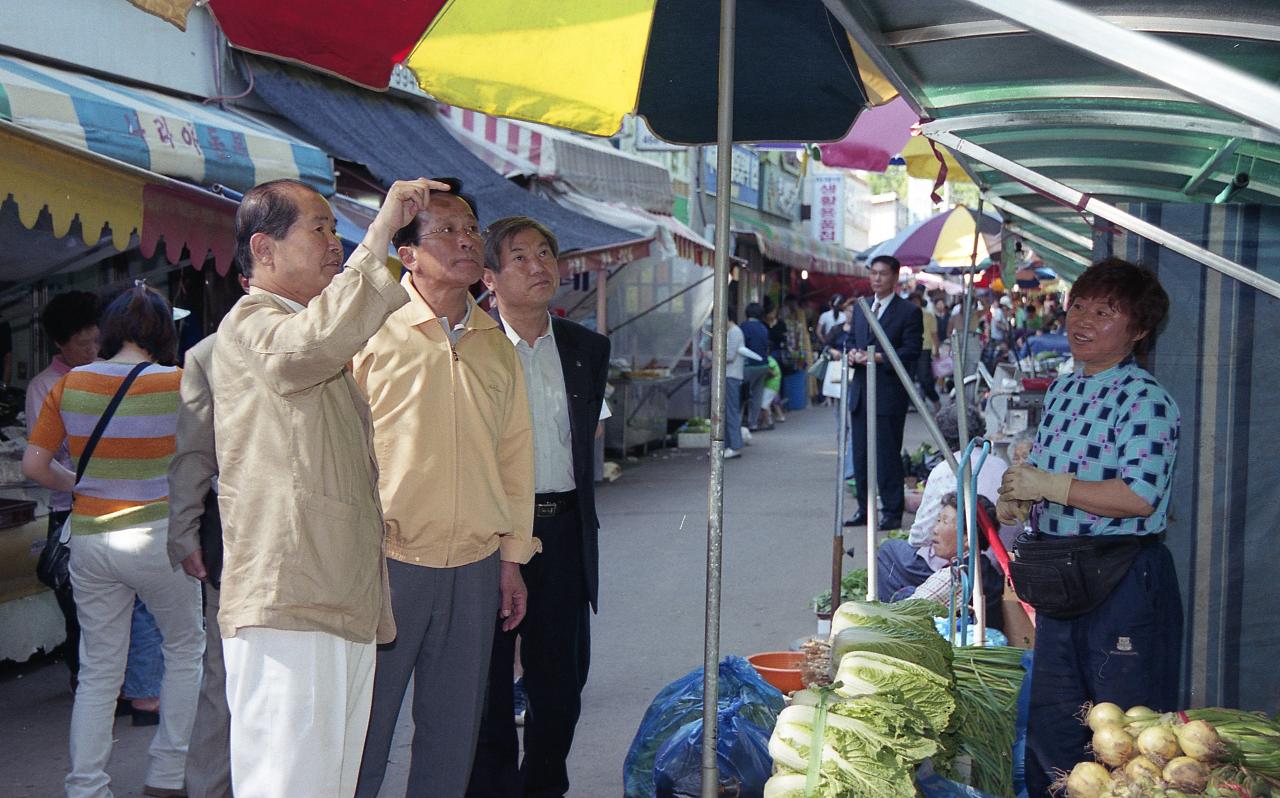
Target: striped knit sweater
{"points": [[126, 483]]}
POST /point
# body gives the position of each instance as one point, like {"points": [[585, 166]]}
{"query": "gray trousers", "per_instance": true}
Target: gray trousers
{"points": [[209, 754], [444, 637], [754, 377]]}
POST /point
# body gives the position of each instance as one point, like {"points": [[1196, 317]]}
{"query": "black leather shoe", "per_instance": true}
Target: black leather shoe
{"points": [[888, 522], [857, 519]]}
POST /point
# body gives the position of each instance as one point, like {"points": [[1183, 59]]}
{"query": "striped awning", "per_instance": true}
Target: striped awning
{"points": [[590, 168], [799, 251], [162, 134], [112, 201]]}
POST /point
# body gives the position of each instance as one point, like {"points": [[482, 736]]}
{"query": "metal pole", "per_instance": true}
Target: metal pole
{"points": [[872, 512], [1087, 204], [837, 546], [999, 203], [715, 491], [909, 385]]}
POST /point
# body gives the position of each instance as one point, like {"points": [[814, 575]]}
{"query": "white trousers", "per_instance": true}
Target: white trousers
{"points": [[107, 570], [299, 706]]}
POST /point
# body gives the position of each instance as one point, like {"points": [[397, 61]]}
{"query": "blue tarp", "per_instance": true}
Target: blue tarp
{"points": [[403, 139]]}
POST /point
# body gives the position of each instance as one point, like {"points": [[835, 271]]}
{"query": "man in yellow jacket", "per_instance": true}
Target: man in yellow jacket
{"points": [[303, 584], [455, 453]]}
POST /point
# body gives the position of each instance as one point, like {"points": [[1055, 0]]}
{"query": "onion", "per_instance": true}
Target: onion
{"points": [[1104, 714], [1185, 773], [1160, 743], [1139, 712], [1199, 740], [1140, 769], [1113, 745], [1087, 780]]}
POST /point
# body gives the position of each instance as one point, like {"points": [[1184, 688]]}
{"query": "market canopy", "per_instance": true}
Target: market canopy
{"points": [[583, 65], [1099, 128], [172, 137], [800, 251], [53, 189], [399, 138], [585, 166]]}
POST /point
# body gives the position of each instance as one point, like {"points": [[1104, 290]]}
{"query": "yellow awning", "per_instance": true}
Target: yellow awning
{"points": [[922, 163]]}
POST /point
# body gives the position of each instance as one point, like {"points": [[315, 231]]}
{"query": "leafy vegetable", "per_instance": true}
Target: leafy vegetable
{"points": [[870, 673], [870, 723], [853, 586], [927, 649], [918, 613], [841, 773], [988, 681]]}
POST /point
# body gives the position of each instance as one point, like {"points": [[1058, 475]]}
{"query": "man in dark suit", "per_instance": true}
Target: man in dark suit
{"points": [[904, 327], [565, 370]]}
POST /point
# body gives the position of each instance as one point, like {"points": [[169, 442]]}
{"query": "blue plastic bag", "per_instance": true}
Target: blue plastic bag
{"points": [[742, 756], [680, 703], [931, 785]]}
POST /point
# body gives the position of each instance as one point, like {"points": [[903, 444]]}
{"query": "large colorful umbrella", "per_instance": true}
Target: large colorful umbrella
{"points": [[572, 63], [943, 240]]}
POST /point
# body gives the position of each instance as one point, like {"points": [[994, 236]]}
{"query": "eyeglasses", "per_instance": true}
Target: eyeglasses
{"points": [[470, 231]]}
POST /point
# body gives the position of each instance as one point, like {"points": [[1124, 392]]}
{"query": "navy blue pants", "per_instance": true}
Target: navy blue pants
{"points": [[1127, 651], [898, 566]]}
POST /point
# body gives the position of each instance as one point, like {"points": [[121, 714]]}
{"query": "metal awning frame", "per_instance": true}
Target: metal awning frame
{"points": [[1190, 74]]}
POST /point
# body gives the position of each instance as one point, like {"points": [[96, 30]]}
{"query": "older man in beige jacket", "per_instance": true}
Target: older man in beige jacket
{"points": [[303, 582]]}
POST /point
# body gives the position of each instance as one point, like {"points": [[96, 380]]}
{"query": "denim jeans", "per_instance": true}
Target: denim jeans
{"points": [[145, 670], [733, 413]]}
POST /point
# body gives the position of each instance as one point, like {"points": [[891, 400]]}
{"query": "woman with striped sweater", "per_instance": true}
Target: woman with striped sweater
{"points": [[119, 517]]}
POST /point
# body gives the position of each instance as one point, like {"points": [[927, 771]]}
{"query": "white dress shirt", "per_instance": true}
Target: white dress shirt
{"points": [[549, 406]]}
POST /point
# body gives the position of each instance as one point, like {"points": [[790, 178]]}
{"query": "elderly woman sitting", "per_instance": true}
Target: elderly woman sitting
{"points": [[930, 575]]}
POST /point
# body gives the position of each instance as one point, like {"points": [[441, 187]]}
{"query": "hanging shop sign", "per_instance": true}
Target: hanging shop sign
{"points": [[826, 193], [744, 179]]}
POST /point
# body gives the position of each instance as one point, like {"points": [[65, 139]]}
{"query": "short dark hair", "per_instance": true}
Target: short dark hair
{"points": [[269, 208], [500, 232], [889, 260], [68, 313], [949, 424], [754, 310], [1131, 289], [409, 234], [951, 500], [141, 316]]}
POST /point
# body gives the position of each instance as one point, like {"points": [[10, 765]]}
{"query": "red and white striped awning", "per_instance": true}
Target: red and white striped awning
{"points": [[583, 165]]}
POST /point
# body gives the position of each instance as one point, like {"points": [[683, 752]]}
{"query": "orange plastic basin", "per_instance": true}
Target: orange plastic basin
{"points": [[779, 668]]}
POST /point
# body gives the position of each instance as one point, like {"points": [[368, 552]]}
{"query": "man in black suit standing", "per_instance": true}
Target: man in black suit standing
{"points": [[565, 370], [903, 325]]}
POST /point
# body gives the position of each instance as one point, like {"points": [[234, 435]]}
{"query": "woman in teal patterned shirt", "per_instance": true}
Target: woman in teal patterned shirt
{"points": [[1098, 482]]}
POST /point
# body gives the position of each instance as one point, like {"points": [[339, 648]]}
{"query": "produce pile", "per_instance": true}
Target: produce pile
{"points": [[1213, 751], [900, 696]]}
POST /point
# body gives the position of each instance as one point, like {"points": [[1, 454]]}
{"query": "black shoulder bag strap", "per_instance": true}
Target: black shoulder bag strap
{"points": [[105, 418]]}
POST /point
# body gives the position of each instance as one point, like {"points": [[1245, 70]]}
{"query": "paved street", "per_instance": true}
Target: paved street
{"points": [[778, 524]]}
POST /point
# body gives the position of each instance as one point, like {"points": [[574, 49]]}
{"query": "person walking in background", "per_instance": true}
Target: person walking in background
{"points": [[195, 543], [733, 375], [304, 593], [831, 318], [924, 365], [70, 320], [565, 367], [459, 506], [755, 335], [119, 523], [903, 326]]}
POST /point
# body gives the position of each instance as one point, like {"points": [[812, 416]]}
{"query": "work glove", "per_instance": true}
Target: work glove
{"points": [[1027, 484], [1012, 512]]}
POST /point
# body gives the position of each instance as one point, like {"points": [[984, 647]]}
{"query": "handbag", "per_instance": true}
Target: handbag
{"points": [[1066, 577], [819, 368], [54, 566]]}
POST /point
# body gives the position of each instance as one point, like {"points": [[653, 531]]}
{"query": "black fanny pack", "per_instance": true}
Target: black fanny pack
{"points": [[1066, 577]]}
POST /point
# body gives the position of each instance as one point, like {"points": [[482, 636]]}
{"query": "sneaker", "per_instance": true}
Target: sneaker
{"points": [[521, 701], [729, 454], [746, 436]]}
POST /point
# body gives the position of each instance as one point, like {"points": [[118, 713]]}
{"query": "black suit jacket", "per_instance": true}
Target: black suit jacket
{"points": [[904, 327], [584, 358]]}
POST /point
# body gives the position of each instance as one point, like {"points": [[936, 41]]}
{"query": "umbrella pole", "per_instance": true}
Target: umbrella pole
{"points": [[842, 423], [715, 491]]}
